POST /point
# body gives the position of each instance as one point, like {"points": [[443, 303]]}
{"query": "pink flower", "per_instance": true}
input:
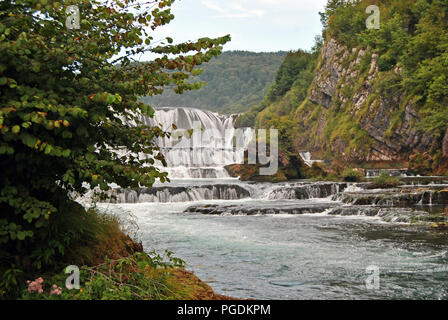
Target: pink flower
{"points": [[56, 290], [35, 285]]}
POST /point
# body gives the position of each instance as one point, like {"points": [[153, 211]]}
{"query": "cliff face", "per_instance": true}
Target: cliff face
{"points": [[445, 145], [361, 116], [369, 95]]}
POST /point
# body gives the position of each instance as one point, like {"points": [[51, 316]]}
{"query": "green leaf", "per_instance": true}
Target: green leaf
{"points": [[21, 235], [110, 99], [15, 129], [29, 140], [66, 153], [48, 149]]}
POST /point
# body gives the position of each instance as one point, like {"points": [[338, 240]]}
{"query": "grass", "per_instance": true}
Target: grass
{"points": [[385, 181], [351, 175], [113, 266]]}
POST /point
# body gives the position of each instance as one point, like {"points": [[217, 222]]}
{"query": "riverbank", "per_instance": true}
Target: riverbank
{"points": [[117, 267]]}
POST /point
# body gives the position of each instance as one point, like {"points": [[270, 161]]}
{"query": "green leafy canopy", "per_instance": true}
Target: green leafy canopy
{"points": [[69, 103]]}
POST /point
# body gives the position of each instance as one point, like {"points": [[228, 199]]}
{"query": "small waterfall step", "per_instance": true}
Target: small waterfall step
{"points": [[403, 172], [307, 158], [179, 194], [301, 191]]}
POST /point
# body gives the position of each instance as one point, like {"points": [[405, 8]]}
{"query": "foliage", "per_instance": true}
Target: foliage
{"points": [[351, 175], [421, 164], [411, 52], [384, 180], [69, 113], [235, 80], [295, 74], [76, 237], [414, 36], [142, 276]]}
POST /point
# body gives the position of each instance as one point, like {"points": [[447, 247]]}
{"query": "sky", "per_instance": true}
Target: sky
{"points": [[254, 25]]}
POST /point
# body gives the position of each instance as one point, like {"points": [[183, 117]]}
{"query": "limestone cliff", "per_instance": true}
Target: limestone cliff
{"points": [[353, 111]]}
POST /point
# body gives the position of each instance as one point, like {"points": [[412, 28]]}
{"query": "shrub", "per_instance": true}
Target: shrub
{"points": [[351, 175], [141, 276], [316, 171], [384, 180], [77, 236]]}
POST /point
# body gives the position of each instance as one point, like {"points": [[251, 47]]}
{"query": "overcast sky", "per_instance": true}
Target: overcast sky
{"points": [[255, 25]]}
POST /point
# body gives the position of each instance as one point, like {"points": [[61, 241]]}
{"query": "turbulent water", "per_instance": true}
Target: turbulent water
{"points": [[266, 247], [295, 240], [214, 143]]}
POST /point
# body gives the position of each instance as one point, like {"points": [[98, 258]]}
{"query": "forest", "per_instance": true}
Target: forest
{"points": [[234, 81], [367, 95]]}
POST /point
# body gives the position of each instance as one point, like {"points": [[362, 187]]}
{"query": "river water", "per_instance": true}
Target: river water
{"points": [[294, 240], [294, 256]]}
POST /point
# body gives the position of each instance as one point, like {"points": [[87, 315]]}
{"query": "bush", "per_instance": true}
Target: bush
{"points": [[316, 171], [384, 180], [141, 276], [351, 175], [76, 237]]}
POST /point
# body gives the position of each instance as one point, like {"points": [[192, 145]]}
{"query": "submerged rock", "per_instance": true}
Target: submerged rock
{"points": [[396, 198], [307, 191], [257, 210]]}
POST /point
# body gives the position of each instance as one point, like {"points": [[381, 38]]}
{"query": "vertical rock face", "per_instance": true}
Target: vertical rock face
{"points": [[346, 85], [445, 145], [329, 74]]}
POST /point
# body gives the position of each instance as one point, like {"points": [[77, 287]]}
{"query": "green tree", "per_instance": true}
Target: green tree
{"points": [[235, 80], [70, 110]]}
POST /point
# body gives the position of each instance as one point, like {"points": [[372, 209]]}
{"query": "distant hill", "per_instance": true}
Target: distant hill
{"points": [[236, 81]]}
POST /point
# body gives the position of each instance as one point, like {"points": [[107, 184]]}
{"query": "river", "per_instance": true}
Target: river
{"points": [[292, 240]]}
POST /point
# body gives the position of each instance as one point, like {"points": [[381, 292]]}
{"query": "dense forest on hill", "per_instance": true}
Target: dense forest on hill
{"points": [[236, 80], [366, 95]]}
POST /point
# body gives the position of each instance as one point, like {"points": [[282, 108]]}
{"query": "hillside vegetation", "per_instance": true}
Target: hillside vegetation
{"points": [[235, 81], [367, 95]]}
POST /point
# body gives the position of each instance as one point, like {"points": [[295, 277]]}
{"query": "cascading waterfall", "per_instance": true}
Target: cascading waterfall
{"points": [[196, 161], [301, 191], [180, 194], [200, 145], [213, 144]]}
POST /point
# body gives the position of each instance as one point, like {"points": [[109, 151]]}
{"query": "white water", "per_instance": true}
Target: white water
{"points": [[248, 252], [213, 144]]}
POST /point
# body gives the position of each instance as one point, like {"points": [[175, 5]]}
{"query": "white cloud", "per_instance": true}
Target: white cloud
{"points": [[289, 4], [282, 12], [232, 9]]}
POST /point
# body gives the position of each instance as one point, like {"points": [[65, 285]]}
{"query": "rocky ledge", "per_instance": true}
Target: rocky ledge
{"points": [[395, 197]]}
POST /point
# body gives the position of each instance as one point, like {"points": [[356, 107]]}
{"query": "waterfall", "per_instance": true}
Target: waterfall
{"points": [[213, 144], [180, 194], [301, 191]]}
